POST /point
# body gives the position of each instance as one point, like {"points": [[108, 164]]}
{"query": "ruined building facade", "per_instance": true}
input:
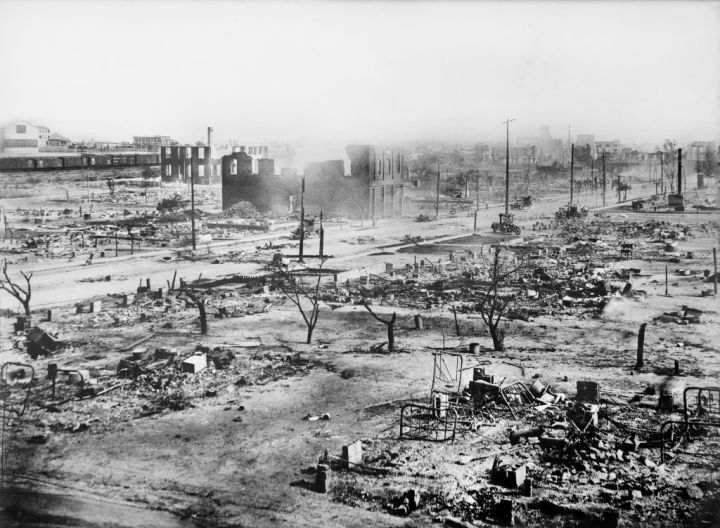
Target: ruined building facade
{"points": [[178, 164], [384, 174], [237, 179], [374, 188]]}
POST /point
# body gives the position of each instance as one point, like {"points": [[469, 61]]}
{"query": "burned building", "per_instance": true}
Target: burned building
{"points": [[237, 179], [384, 175], [179, 164], [374, 187]]}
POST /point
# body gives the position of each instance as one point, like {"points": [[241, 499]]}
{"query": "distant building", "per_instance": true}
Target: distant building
{"points": [[546, 148], [544, 133], [584, 140], [23, 137], [256, 152], [152, 143], [519, 154], [697, 149], [58, 141], [611, 148], [179, 164]]}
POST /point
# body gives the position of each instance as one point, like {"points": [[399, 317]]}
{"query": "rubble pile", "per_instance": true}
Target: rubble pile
{"points": [[594, 457], [147, 382], [241, 210]]}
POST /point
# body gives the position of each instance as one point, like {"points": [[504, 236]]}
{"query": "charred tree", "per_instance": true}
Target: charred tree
{"points": [[390, 323], [640, 347], [13, 288], [301, 294], [496, 299], [199, 304]]}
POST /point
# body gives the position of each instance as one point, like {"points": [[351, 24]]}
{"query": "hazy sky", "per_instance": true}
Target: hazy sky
{"points": [[362, 71]]}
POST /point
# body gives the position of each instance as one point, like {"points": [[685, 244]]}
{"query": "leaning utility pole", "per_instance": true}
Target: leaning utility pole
{"points": [[572, 166], [507, 163], [603, 183], [437, 190]]}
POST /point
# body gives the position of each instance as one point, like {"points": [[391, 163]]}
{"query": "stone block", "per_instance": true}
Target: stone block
{"points": [[508, 476], [128, 299], [95, 306], [322, 478], [194, 364], [352, 455], [79, 308]]}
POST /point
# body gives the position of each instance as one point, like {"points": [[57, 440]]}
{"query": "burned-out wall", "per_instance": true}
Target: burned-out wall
{"points": [[374, 188], [237, 178], [179, 164], [385, 173], [326, 187]]}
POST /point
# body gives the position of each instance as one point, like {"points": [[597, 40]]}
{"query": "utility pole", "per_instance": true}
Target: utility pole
{"points": [[437, 190], [321, 232], [192, 206], [302, 219], [477, 198], [87, 175], [507, 163], [603, 180], [662, 169], [572, 167]]}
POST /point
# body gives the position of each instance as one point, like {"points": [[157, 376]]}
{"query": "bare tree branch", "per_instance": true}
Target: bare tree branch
{"points": [[199, 303], [21, 294], [295, 290], [495, 301], [390, 323]]}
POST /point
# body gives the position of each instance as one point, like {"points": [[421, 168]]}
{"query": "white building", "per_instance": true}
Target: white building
{"points": [[22, 137]]}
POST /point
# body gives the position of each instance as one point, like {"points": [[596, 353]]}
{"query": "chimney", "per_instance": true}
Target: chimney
{"points": [[679, 189], [209, 141]]}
